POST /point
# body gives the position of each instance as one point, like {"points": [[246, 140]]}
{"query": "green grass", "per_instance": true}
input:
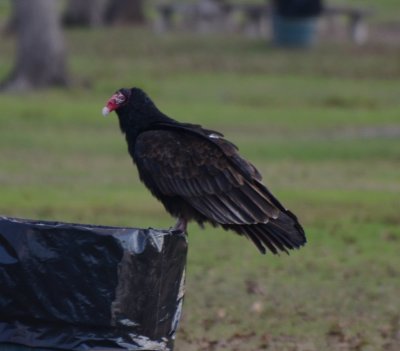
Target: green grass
{"points": [[322, 125]]}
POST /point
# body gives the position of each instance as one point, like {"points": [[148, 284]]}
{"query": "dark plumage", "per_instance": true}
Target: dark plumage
{"points": [[198, 175]]}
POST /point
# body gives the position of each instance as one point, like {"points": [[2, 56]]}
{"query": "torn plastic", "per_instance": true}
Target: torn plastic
{"points": [[83, 287]]}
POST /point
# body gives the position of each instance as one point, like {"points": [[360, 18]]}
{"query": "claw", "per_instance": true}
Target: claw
{"points": [[181, 225]]}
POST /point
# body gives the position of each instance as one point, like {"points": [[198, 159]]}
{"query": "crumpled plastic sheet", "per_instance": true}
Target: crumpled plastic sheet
{"points": [[83, 287]]}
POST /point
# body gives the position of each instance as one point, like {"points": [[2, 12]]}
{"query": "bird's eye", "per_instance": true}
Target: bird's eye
{"points": [[120, 98]]}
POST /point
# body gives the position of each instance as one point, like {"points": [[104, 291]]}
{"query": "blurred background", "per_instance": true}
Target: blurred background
{"points": [[308, 90]]}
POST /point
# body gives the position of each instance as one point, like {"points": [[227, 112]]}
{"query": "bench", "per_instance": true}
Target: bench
{"points": [[356, 17], [212, 15], [251, 18]]}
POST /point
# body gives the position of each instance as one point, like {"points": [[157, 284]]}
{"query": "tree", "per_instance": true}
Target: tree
{"points": [[88, 13], [41, 54]]}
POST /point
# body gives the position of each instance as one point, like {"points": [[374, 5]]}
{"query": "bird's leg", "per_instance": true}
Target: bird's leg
{"points": [[181, 225]]}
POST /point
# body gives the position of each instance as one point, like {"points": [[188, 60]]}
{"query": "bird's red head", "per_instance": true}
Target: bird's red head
{"points": [[119, 99]]}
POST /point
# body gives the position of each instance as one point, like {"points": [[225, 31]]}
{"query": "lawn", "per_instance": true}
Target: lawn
{"points": [[323, 126]]}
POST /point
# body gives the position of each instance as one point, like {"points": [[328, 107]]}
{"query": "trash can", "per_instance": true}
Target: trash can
{"points": [[67, 286], [294, 32], [295, 22]]}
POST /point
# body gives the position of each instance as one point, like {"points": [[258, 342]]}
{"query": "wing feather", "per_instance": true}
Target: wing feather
{"points": [[196, 169], [211, 177]]}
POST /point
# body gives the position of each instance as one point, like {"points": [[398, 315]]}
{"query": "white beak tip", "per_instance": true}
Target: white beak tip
{"points": [[105, 111]]}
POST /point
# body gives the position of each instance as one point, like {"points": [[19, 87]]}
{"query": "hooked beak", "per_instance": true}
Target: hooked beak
{"points": [[105, 111], [112, 105]]}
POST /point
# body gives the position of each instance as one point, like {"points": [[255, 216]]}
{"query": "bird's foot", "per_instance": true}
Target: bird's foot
{"points": [[181, 225]]}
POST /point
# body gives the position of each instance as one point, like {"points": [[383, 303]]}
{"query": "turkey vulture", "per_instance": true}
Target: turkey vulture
{"points": [[198, 175]]}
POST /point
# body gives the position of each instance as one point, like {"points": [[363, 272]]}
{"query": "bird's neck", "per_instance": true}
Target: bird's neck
{"points": [[133, 123]]}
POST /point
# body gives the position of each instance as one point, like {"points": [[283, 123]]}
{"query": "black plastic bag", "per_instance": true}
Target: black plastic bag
{"points": [[298, 8], [83, 287]]}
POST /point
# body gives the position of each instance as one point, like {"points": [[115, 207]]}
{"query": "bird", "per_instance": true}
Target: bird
{"points": [[198, 175]]}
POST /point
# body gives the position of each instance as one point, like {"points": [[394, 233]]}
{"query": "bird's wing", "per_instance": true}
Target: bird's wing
{"points": [[228, 148], [208, 173]]}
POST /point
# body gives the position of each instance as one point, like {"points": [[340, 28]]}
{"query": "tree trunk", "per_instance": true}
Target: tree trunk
{"points": [[41, 55], [125, 12], [84, 13]]}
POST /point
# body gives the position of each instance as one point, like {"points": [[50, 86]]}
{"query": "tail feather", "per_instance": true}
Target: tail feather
{"points": [[259, 242], [281, 234], [251, 232]]}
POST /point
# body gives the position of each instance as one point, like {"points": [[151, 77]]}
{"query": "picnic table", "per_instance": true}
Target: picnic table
{"points": [[253, 19]]}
